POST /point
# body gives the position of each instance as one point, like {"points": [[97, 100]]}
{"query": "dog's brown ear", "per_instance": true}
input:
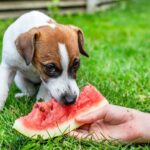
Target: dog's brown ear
{"points": [[80, 40], [25, 44]]}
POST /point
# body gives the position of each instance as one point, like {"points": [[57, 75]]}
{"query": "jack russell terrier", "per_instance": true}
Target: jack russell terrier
{"points": [[39, 51]]}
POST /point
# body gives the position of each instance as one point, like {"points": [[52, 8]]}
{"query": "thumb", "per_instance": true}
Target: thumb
{"points": [[93, 116]]}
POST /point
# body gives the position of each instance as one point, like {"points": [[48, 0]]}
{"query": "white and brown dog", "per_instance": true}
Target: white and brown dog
{"points": [[39, 51]]}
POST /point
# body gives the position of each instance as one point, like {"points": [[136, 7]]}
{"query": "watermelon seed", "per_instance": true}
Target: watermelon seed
{"points": [[51, 107], [42, 109]]}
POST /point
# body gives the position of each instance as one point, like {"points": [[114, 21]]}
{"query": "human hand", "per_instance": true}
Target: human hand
{"points": [[114, 123]]}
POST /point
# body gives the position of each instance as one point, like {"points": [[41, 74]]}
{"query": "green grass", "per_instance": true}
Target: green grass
{"points": [[118, 42]]}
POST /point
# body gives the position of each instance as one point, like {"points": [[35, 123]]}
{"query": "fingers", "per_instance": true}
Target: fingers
{"points": [[93, 116], [93, 133], [80, 134], [85, 127]]}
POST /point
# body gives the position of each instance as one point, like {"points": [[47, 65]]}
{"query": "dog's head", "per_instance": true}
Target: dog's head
{"points": [[55, 53]]}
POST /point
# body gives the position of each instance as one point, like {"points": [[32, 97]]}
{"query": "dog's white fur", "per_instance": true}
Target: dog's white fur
{"points": [[13, 65]]}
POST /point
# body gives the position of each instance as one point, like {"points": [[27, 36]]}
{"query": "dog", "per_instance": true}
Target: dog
{"points": [[39, 52]]}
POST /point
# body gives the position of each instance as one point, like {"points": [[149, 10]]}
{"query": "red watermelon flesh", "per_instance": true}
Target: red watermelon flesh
{"points": [[50, 119]]}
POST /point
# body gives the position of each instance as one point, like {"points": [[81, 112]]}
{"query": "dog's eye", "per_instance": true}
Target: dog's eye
{"points": [[50, 67], [51, 70], [76, 63]]}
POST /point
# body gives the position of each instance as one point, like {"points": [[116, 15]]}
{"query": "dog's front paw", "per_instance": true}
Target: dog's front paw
{"points": [[20, 95]]}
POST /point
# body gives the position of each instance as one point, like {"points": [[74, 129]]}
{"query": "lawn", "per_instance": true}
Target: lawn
{"points": [[118, 42]]}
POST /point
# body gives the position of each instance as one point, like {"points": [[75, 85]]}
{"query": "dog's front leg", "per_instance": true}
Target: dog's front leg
{"points": [[7, 75], [43, 93]]}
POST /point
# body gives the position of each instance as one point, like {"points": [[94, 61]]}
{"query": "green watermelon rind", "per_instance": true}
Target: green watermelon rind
{"points": [[61, 129]]}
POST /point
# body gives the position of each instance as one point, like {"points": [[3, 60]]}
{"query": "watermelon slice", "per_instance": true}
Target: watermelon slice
{"points": [[50, 119]]}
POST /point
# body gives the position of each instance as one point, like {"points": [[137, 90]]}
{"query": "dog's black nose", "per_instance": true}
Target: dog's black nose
{"points": [[68, 99]]}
